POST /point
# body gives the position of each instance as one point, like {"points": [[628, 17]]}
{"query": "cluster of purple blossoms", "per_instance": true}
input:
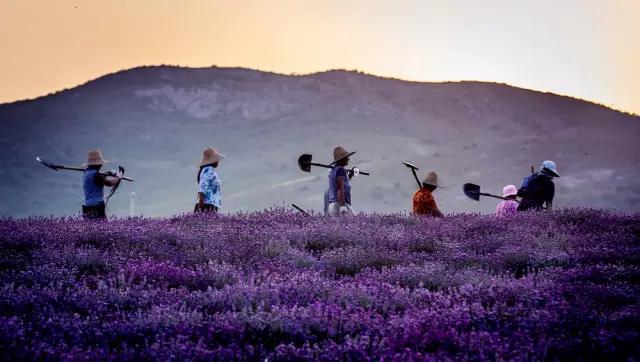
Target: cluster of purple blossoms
{"points": [[280, 286]]}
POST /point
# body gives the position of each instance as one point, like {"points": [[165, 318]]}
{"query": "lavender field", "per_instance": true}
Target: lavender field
{"points": [[280, 286]]}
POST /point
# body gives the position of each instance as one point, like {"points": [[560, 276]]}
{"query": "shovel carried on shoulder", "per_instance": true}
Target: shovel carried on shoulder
{"points": [[473, 192], [305, 163], [55, 167]]}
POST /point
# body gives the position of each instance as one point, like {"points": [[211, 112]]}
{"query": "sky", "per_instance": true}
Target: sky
{"points": [[588, 49]]}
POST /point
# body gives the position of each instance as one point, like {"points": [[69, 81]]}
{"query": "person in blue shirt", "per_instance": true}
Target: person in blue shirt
{"points": [[209, 193], [94, 207], [339, 193]]}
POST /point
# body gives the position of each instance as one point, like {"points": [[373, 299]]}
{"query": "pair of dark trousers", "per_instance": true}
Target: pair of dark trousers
{"points": [[205, 208], [96, 212]]}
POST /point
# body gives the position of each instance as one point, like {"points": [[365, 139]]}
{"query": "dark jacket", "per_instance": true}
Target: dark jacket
{"points": [[536, 191]]}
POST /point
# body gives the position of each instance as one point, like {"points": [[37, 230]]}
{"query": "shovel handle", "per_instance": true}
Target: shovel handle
{"points": [[327, 166], [300, 209], [73, 168], [70, 168], [415, 175], [125, 178], [318, 164], [496, 196]]}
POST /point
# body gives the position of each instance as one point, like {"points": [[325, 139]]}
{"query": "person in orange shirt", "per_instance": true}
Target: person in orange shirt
{"points": [[423, 201]]}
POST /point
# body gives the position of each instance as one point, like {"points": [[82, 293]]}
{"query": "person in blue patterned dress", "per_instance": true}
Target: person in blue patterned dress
{"points": [[209, 195]]}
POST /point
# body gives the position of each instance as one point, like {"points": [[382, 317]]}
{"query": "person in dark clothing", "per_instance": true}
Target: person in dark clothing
{"points": [[537, 190], [93, 184]]}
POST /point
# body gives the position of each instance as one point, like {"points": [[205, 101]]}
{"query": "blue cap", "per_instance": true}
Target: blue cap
{"points": [[550, 167]]}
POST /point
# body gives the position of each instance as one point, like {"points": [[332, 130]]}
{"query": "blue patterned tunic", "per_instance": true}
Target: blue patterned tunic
{"points": [[210, 186]]}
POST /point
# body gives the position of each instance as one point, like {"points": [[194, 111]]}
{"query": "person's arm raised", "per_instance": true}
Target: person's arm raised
{"points": [[111, 181]]}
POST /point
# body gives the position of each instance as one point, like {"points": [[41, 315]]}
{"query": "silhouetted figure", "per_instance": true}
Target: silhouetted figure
{"points": [[537, 190]]}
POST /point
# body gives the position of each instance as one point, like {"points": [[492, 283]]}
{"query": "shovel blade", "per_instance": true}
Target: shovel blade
{"points": [[410, 165], [304, 162], [472, 191]]}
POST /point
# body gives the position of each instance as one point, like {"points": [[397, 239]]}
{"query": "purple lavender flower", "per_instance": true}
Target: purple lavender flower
{"points": [[280, 286]]}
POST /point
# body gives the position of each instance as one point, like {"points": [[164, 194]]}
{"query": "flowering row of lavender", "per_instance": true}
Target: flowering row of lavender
{"points": [[282, 286]]}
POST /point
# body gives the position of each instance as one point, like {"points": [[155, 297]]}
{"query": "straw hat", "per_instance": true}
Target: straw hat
{"points": [[94, 158], [210, 155], [431, 179], [340, 153], [509, 190]]}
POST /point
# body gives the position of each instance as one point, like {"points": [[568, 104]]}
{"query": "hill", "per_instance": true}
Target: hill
{"points": [[156, 120]]}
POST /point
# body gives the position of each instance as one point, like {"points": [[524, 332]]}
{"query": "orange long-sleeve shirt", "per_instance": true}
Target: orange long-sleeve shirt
{"points": [[425, 204]]}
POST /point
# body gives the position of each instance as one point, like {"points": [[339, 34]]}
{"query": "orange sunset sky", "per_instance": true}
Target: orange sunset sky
{"points": [[583, 48]]}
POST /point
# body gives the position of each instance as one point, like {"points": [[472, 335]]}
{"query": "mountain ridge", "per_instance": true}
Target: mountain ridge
{"points": [[305, 75]]}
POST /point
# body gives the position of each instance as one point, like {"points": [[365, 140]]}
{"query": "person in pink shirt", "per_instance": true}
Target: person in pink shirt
{"points": [[508, 207]]}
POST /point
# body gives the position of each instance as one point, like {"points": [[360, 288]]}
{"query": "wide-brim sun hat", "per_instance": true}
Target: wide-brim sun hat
{"points": [[340, 153], [509, 190], [95, 158], [210, 156], [431, 179], [550, 167]]}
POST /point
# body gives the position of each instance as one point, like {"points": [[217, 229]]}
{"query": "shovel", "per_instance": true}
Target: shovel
{"points": [[304, 162], [73, 168], [413, 170], [473, 192]]}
